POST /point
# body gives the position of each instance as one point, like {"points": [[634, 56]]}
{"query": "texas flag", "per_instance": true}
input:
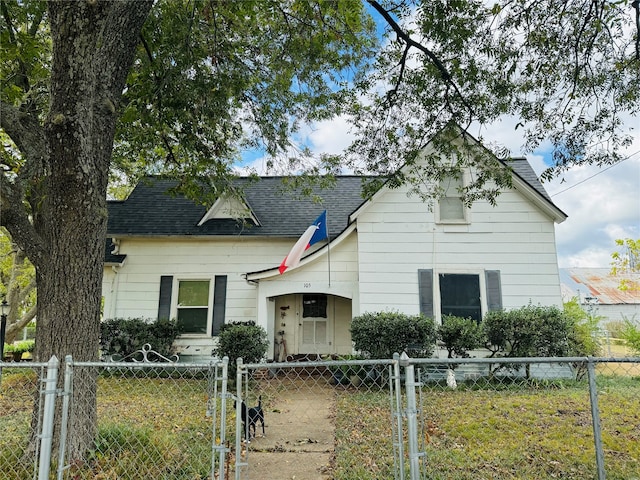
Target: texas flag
{"points": [[314, 234]]}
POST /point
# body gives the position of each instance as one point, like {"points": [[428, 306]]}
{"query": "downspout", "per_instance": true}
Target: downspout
{"points": [[115, 284]]}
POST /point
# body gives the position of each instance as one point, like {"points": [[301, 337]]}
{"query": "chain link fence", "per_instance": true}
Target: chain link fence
{"points": [[530, 418], [21, 384], [350, 419]]}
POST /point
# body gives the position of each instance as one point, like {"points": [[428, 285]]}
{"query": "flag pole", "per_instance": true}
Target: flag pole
{"points": [[328, 250]]}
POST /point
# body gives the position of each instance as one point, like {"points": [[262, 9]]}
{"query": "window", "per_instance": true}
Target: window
{"points": [[193, 305], [314, 305], [460, 295], [314, 324], [450, 206], [193, 308]]}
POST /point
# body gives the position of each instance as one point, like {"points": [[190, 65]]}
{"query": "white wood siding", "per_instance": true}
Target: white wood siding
{"points": [[397, 235], [138, 281]]}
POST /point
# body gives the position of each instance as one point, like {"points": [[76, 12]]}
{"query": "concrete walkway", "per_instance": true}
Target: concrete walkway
{"points": [[299, 436]]}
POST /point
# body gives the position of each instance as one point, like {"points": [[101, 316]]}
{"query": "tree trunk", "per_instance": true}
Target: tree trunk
{"points": [[93, 47]]}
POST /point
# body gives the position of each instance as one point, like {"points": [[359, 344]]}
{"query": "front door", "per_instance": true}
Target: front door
{"points": [[316, 325]]}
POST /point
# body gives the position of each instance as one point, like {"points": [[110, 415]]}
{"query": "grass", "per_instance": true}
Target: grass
{"points": [[529, 433], [157, 428]]}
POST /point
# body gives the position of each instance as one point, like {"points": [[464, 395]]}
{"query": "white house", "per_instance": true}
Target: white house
{"points": [[170, 257]]}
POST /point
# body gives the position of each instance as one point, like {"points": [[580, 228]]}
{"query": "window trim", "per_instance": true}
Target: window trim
{"points": [[465, 210], [437, 302], [174, 302]]}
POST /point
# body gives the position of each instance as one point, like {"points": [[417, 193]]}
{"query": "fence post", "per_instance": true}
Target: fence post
{"points": [[412, 422], [239, 462], [64, 422], [46, 437], [595, 418], [223, 418], [397, 386]]}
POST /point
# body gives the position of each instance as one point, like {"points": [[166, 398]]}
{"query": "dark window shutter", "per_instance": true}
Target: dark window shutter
{"points": [[425, 291], [164, 304], [219, 303], [494, 290]]}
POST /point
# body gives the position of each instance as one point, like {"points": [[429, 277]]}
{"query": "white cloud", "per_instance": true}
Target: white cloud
{"points": [[331, 136], [603, 205]]}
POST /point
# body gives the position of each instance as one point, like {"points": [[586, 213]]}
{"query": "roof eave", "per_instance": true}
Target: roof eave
{"points": [[274, 272]]}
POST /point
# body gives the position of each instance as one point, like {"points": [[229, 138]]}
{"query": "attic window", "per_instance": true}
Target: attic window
{"points": [[450, 206]]}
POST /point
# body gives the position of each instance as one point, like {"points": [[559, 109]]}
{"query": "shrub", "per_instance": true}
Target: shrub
{"points": [[530, 331], [244, 340], [583, 332], [20, 347], [631, 334], [125, 336], [380, 335], [460, 335]]}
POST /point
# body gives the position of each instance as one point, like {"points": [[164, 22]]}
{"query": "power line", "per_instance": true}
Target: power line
{"points": [[596, 174]]}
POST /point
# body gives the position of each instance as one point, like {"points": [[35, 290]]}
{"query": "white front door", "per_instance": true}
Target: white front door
{"points": [[316, 324]]}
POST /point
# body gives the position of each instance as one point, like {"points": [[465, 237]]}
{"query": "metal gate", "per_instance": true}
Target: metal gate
{"points": [[284, 389]]}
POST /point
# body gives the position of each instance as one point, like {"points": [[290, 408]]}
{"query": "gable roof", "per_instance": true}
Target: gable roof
{"points": [[151, 210], [524, 170]]}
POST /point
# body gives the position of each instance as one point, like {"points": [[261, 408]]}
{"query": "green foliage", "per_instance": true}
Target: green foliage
{"points": [[631, 334], [244, 340], [530, 331], [460, 335], [23, 346], [125, 336], [479, 63], [584, 331], [626, 262], [381, 334], [203, 88], [17, 283]]}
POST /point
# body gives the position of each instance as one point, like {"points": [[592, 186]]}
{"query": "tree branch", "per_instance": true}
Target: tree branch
{"points": [[14, 217], [444, 73], [14, 327], [28, 135], [636, 5]]}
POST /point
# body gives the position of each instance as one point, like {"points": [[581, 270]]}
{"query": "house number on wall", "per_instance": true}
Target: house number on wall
{"points": [[307, 285]]}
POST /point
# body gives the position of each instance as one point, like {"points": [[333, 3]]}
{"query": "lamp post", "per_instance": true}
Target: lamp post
{"points": [[3, 325]]}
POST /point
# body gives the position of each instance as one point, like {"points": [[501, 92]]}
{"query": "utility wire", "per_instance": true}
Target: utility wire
{"points": [[596, 174]]}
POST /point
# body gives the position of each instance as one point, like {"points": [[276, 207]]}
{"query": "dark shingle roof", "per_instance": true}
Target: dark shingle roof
{"points": [[151, 211], [522, 168]]}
